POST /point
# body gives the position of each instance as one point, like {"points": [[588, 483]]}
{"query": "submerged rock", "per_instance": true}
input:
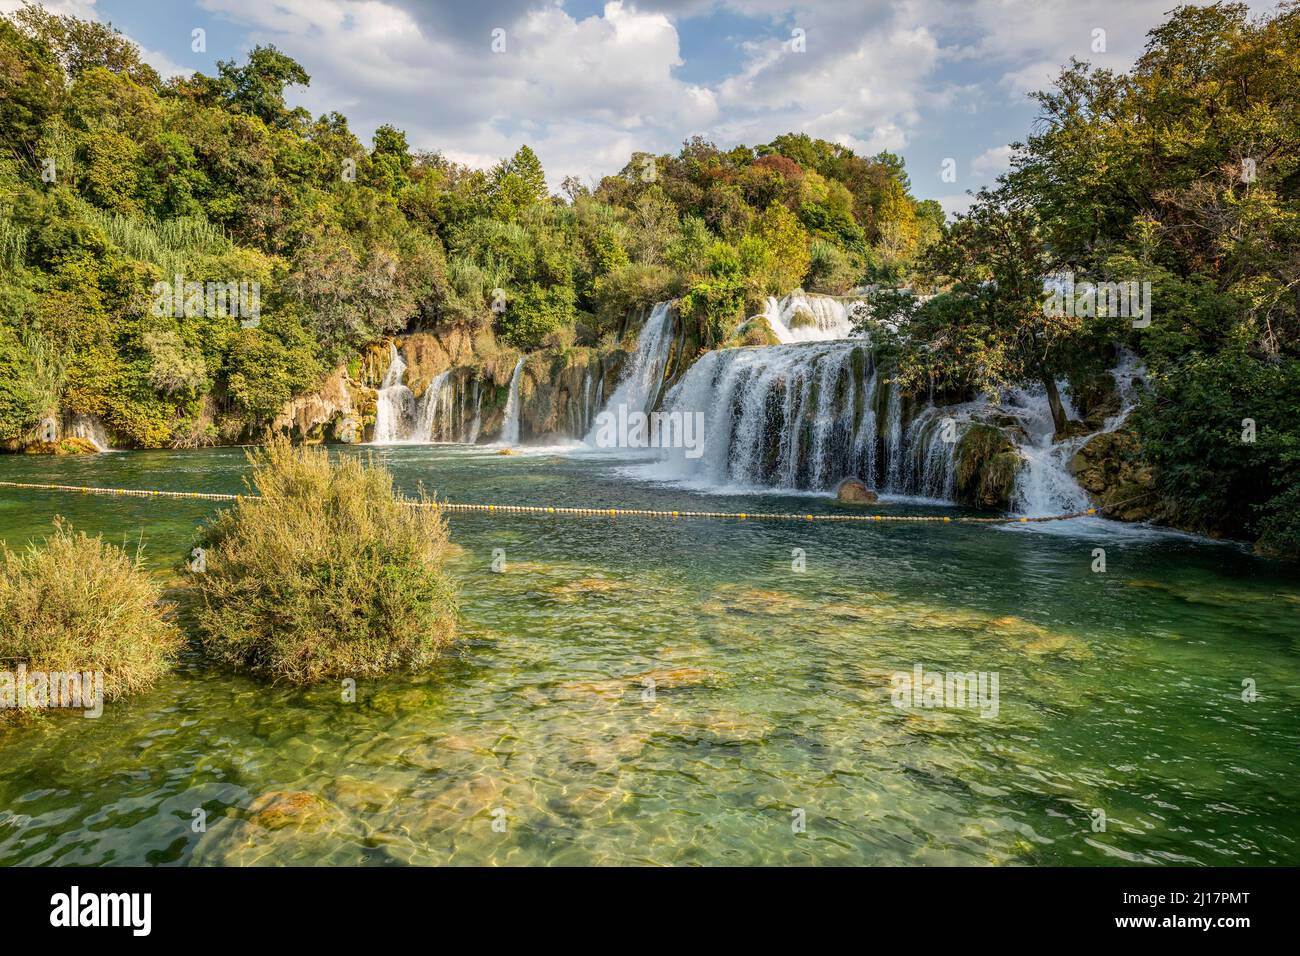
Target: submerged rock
{"points": [[854, 491], [285, 808], [667, 679]]}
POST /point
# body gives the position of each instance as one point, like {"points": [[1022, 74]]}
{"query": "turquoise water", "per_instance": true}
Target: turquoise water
{"points": [[1119, 693]]}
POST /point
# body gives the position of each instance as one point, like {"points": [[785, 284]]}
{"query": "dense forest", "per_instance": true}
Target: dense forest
{"points": [[113, 181], [1181, 173]]}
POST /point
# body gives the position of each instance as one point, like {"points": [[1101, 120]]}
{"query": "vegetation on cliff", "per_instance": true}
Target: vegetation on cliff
{"points": [[113, 181], [1183, 173]]}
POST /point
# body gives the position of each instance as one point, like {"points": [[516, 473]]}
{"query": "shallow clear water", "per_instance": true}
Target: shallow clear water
{"points": [[1119, 692]]}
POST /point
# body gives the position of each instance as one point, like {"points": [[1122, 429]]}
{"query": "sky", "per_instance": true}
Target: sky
{"points": [[943, 83]]}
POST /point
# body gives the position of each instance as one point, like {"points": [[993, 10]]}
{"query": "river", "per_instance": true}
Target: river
{"points": [[629, 691]]}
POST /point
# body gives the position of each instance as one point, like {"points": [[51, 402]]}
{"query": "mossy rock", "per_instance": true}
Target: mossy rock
{"points": [[755, 332], [802, 318], [987, 463], [64, 446], [1110, 467]]}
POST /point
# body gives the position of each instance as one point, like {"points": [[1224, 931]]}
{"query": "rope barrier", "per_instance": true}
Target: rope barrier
{"points": [[452, 507]]}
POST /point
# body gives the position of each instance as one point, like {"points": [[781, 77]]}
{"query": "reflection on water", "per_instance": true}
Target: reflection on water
{"points": [[630, 691]]}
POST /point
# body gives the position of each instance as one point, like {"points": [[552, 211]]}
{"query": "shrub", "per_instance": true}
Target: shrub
{"points": [[20, 401], [77, 604], [326, 574]]}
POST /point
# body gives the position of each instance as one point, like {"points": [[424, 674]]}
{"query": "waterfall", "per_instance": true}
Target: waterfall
{"points": [[894, 436], [1044, 485], [800, 417], [394, 404], [475, 425], [435, 421], [510, 428], [91, 429], [808, 318], [639, 386]]}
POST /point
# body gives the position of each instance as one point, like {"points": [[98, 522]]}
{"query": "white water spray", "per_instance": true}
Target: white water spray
{"points": [[394, 404], [510, 428], [639, 386]]}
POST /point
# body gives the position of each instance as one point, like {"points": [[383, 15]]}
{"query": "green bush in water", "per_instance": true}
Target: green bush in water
{"points": [[326, 574], [76, 604]]}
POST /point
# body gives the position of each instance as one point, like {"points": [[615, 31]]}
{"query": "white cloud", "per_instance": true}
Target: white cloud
{"points": [[992, 162], [955, 203], [584, 93], [587, 91]]}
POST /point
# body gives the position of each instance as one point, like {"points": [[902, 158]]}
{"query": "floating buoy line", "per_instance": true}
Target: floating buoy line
{"points": [[453, 508]]}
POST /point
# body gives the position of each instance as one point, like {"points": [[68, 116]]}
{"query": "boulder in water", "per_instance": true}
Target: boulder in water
{"points": [[987, 463], [854, 491], [802, 318]]}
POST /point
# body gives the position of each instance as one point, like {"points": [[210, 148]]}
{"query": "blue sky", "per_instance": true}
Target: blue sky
{"points": [[586, 83]]}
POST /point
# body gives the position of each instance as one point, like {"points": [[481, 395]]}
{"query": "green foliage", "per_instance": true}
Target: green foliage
{"points": [[1224, 437], [77, 604], [257, 87], [20, 400], [326, 574], [537, 313], [216, 180], [1180, 173]]}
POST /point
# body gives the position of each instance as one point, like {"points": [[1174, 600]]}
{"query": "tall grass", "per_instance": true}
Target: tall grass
{"points": [[76, 603], [49, 371], [167, 243], [327, 574], [13, 244]]}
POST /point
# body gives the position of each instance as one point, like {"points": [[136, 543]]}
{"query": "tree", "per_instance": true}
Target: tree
{"points": [[81, 45], [990, 328], [786, 246], [19, 399], [32, 90], [516, 184], [257, 87]]}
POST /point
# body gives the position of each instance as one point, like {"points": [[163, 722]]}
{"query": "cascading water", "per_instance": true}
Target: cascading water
{"points": [[808, 318], [639, 387], [477, 423], [799, 417], [1044, 485], [91, 429], [510, 428], [395, 403], [435, 422]]}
